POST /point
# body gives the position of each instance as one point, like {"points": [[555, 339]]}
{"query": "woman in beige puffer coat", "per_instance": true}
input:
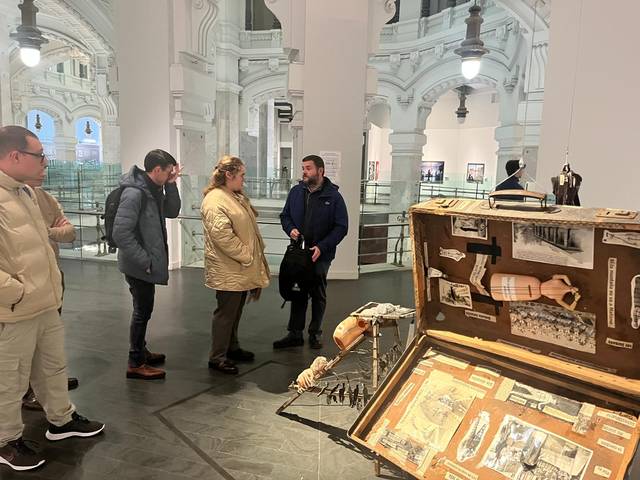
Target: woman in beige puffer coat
{"points": [[235, 265]]}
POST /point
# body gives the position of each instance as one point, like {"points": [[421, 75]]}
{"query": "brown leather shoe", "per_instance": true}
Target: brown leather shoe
{"points": [[154, 358], [145, 372]]}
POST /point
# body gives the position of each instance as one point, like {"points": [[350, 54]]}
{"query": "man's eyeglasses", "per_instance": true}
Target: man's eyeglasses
{"points": [[42, 156]]}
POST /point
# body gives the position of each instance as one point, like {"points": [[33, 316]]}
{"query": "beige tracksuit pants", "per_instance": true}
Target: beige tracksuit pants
{"points": [[33, 351]]}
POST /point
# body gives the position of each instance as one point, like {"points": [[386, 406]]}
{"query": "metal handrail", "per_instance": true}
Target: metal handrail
{"points": [[398, 251]]}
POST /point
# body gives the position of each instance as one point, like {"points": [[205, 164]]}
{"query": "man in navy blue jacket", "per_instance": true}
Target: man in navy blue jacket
{"points": [[514, 171], [316, 210]]}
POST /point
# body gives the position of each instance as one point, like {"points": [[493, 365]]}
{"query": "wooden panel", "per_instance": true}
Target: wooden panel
{"points": [[432, 224]]}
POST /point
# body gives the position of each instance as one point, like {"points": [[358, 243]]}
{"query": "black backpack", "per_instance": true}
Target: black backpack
{"points": [[296, 272], [111, 205]]}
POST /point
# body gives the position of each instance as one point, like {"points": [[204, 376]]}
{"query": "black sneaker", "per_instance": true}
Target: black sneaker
{"points": [[19, 456], [291, 340], [77, 427], [315, 341], [72, 383], [240, 355], [30, 402]]}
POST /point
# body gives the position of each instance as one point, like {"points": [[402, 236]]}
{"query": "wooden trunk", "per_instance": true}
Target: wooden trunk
{"points": [[524, 365]]}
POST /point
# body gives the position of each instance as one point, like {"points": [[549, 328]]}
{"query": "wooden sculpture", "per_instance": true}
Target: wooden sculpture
{"points": [[348, 330]]}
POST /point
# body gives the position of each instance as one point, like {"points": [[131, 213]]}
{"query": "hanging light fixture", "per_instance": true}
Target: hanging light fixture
{"points": [[462, 111], [472, 48], [87, 128], [28, 35], [38, 123]]}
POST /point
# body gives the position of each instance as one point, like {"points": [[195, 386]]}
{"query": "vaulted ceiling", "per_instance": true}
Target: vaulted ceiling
{"points": [[85, 24]]}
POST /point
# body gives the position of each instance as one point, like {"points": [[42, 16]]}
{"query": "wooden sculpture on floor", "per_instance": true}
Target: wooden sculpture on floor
{"points": [[365, 322]]}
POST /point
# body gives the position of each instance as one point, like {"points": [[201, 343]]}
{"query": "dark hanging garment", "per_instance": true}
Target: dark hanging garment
{"points": [[566, 186]]}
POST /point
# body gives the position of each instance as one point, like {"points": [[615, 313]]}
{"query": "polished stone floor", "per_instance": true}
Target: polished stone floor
{"points": [[197, 423]]}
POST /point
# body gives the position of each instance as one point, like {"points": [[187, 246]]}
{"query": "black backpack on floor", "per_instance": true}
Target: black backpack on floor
{"points": [[296, 272], [111, 205]]}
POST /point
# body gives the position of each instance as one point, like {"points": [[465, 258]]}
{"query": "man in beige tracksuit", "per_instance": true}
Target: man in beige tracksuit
{"points": [[31, 331]]}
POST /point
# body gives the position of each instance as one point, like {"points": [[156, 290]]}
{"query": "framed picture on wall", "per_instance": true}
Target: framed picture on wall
{"points": [[374, 171], [432, 172], [475, 172]]}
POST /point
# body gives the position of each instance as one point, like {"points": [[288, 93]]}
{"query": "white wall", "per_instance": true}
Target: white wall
{"points": [[379, 150], [471, 142], [603, 136]]}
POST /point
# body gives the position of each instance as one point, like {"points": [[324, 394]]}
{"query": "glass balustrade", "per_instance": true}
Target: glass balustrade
{"points": [[383, 235]]}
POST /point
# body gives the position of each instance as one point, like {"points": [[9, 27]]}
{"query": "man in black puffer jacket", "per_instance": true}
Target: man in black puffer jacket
{"points": [[139, 229]]}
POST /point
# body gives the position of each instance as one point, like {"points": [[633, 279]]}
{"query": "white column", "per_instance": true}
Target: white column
{"points": [[65, 148], [410, 9], [144, 55], [509, 134], [110, 144], [334, 109], [408, 25], [6, 116], [228, 121], [407, 142], [229, 24]]}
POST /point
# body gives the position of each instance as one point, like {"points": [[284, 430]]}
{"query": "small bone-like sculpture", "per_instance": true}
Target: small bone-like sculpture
{"points": [[309, 376], [348, 330], [523, 288]]}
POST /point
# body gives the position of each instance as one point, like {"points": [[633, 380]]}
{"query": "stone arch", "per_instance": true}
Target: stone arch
{"points": [[436, 90], [446, 75], [378, 111], [92, 111], [263, 85], [526, 10], [258, 91], [64, 116], [54, 111]]}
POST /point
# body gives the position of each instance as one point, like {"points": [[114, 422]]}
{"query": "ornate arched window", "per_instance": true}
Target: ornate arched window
{"points": [[43, 125], [89, 138]]}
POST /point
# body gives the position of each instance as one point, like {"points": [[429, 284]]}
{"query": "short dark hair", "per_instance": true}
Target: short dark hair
{"points": [[317, 160], [158, 158], [14, 137], [512, 166]]}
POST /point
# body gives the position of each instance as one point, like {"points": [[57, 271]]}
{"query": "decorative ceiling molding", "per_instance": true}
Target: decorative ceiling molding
{"points": [[529, 12], [76, 25]]}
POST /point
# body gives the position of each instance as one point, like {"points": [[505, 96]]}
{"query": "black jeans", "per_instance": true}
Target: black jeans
{"points": [[318, 294], [143, 294]]}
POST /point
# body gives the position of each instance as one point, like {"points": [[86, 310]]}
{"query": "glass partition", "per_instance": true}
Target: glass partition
{"points": [[384, 239]]}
